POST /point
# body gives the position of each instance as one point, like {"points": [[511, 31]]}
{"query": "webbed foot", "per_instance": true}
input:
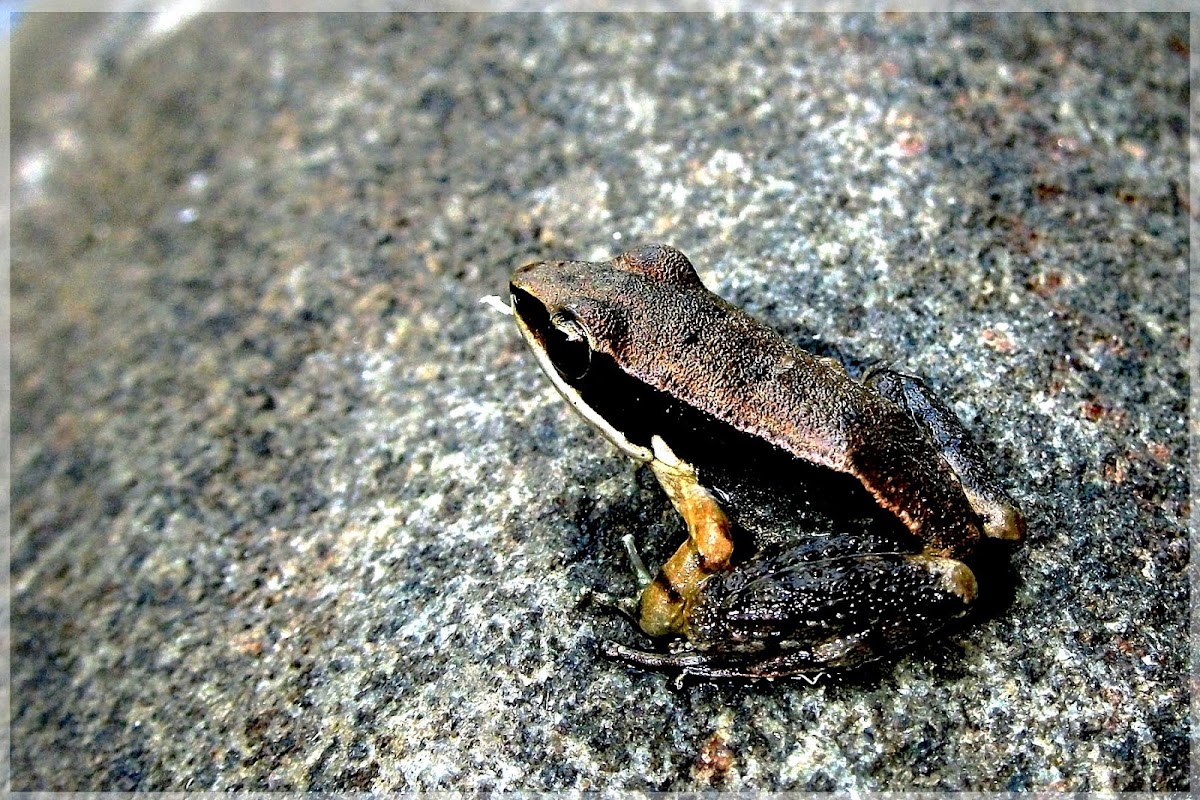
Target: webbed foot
{"points": [[716, 665]]}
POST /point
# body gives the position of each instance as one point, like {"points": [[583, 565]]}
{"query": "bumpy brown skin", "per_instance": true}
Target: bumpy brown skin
{"points": [[650, 301], [830, 601]]}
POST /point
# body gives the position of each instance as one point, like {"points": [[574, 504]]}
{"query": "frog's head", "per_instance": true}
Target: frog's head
{"points": [[571, 310], [562, 313], [590, 324]]}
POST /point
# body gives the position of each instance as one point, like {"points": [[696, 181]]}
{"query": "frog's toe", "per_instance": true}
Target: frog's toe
{"points": [[626, 607], [684, 660], [1001, 520], [640, 573], [722, 663]]}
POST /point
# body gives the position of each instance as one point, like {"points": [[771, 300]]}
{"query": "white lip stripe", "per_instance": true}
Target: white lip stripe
{"points": [[573, 397]]}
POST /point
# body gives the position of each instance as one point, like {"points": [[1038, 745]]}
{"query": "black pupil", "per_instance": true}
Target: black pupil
{"points": [[569, 353]]}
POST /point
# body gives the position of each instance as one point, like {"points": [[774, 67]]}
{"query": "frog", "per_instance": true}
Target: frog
{"points": [[829, 515]]}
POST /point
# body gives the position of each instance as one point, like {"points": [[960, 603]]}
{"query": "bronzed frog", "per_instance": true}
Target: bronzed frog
{"points": [[827, 516]]}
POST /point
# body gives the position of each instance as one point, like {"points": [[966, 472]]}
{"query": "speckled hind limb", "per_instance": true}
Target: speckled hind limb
{"points": [[828, 603]]}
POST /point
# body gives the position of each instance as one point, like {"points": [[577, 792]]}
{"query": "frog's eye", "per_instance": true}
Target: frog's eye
{"points": [[569, 345]]}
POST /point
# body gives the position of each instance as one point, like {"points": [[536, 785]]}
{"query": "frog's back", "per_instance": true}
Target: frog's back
{"points": [[728, 366]]}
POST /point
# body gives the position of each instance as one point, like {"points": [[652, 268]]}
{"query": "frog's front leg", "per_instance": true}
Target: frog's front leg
{"points": [[827, 603], [664, 604], [1001, 519]]}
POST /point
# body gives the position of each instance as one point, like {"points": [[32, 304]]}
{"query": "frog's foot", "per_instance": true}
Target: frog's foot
{"points": [[626, 607], [640, 573], [664, 598], [1001, 519], [687, 661]]}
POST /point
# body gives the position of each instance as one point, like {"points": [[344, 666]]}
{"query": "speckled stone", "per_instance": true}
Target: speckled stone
{"points": [[291, 509]]}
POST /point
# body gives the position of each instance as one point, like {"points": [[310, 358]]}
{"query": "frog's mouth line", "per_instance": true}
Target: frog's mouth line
{"points": [[534, 322]]}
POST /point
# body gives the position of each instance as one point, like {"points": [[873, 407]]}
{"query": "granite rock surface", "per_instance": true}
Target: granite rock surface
{"points": [[292, 509]]}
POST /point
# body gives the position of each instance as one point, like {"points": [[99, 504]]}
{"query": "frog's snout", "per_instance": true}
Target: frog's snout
{"points": [[520, 272], [533, 279]]}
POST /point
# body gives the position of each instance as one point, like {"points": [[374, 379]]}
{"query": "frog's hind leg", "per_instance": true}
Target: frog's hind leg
{"points": [[1001, 519], [828, 603]]}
